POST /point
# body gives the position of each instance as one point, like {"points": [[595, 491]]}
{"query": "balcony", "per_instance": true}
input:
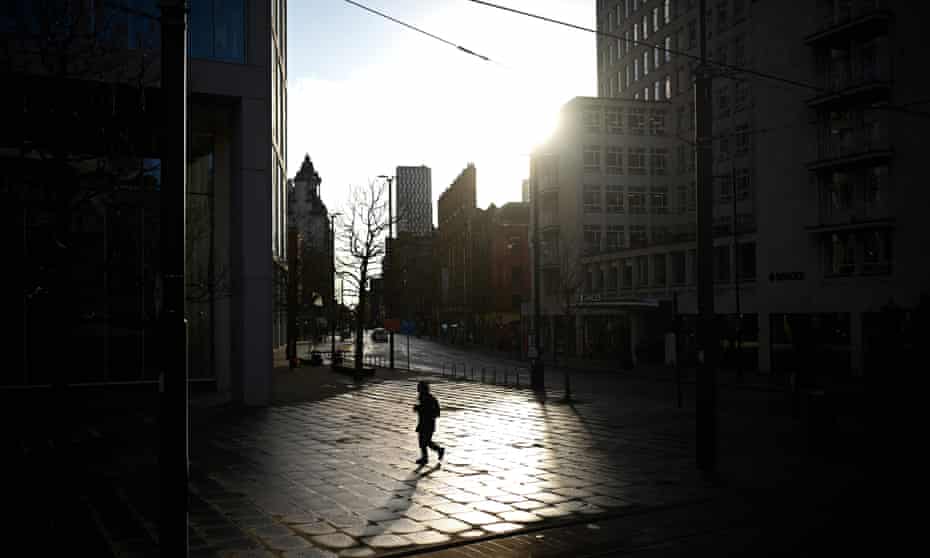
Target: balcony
{"points": [[859, 19], [846, 85], [851, 147]]}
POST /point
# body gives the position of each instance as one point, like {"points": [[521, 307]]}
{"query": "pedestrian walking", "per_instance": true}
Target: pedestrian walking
{"points": [[427, 410]]}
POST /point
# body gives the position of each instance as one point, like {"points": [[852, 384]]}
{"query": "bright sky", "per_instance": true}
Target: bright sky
{"points": [[366, 94]]}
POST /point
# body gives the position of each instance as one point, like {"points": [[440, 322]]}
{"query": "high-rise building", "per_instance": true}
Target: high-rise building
{"points": [[816, 220], [102, 304], [414, 200]]}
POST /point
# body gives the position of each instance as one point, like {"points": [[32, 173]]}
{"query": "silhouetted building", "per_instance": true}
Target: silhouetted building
{"points": [[81, 158], [415, 282], [455, 209], [414, 189], [307, 212]]}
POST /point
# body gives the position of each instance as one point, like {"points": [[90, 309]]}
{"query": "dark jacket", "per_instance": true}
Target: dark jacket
{"points": [[428, 410]]}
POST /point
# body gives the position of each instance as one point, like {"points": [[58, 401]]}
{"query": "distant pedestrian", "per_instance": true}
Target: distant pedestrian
{"points": [[428, 411]]}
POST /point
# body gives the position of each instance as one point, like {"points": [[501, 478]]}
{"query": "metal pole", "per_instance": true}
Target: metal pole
{"points": [[174, 464], [739, 315], [536, 375], [706, 381], [677, 326], [332, 225], [390, 282]]}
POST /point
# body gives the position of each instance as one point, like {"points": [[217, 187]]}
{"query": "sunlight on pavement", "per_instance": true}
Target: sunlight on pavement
{"points": [[344, 467]]}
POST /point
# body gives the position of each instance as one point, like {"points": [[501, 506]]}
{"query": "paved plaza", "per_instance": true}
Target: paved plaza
{"points": [[338, 475]]}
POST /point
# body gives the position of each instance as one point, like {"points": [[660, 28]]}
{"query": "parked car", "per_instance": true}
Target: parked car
{"points": [[379, 335]]}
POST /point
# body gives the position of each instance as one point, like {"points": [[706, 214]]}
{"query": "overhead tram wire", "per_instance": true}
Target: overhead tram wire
{"points": [[721, 65], [418, 30]]}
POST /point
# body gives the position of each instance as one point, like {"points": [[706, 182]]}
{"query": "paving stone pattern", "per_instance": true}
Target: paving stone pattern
{"points": [[336, 477]]}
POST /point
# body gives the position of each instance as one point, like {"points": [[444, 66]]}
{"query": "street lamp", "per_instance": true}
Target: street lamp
{"points": [[332, 238], [389, 277]]}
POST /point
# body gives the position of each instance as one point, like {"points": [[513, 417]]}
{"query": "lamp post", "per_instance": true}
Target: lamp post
{"points": [[332, 261], [389, 276]]}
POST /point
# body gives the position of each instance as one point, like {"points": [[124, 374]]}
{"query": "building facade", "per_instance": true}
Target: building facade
{"points": [[456, 208], [413, 281], [309, 215], [814, 226], [107, 154], [414, 200]]}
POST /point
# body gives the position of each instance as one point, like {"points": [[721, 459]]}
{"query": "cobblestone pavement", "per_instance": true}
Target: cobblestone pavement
{"points": [[336, 477]]}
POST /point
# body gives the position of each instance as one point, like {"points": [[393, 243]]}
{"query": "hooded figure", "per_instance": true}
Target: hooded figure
{"points": [[427, 410]]}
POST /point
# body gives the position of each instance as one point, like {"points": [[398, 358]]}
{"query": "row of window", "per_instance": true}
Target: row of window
{"points": [[615, 198], [599, 239], [636, 161], [858, 252], [637, 121], [843, 191], [661, 270]]}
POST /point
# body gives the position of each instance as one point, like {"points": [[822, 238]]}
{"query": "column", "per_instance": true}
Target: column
{"points": [[765, 343]]}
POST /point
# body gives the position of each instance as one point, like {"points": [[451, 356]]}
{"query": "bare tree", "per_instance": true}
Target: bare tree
{"points": [[363, 238]]}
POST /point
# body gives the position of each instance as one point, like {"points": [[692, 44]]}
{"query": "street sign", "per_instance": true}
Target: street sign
{"points": [[392, 324]]}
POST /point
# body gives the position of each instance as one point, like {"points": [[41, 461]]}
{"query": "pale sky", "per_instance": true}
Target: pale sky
{"points": [[366, 94]]}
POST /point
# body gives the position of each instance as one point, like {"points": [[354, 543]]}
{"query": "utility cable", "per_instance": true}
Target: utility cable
{"points": [[418, 30]]}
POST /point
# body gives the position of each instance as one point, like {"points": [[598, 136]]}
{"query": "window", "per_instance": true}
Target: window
{"points": [[612, 87], [635, 32], [722, 53], [876, 251], [592, 120], [668, 11], [656, 16], [614, 198], [615, 237], [620, 15], [681, 158], [612, 53], [642, 271], [659, 160], [636, 5], [626, 37], [681, 199], [722, 263], [637, 160], [647, 93], [627, 267], [839, 254], [614, 121], [626, 9], [839, 192], [747, 260], [638, 121], [723, 102], [614, 160], [656, 57], [678, 268], [668, 49], [658, 270], [645, 63], [636, 69], [645, 27], [657, 122], [742, 139], [680, 124], [657, 87], [592, 158], [722, 15], [592, 239], [658, 201], [626, 71], [619, 83], [724, 189], [610, 21], [876, 187], [613, 279], [742, 96], [739, 51], [692, 34], [743, 184], [668, 87], [660, 234], [592, 198], [683, 83], [217, 30], [739, 10], [636, 201]]}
